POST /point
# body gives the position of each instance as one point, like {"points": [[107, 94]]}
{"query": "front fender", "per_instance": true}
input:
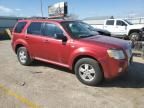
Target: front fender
{"points": [[90, 52]]}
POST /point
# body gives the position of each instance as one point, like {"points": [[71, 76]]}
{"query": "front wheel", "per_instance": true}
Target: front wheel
{"points": [[134, 36], [88, 71]]}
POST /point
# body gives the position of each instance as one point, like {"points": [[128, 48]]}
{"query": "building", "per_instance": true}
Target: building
{"points": [[8, 22]]}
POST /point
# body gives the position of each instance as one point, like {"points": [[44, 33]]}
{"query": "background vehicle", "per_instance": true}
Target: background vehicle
{"points": [[123, 28], [72, 45], [100, 31]]}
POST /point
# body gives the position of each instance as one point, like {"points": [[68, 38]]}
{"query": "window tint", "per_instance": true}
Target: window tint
{"points": [[51, 30], [35, 28], [110, 22], [120, 23], [78, 29], [19, 27]]}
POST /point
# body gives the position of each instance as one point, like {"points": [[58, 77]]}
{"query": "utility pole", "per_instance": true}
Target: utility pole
{"points": [[41, 8]]}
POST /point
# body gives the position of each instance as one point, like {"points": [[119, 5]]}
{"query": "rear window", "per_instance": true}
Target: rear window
{"points": [[110, 22], [19, 27]]}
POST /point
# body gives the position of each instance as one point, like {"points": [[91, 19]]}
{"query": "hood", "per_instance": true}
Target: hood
{"points": [[136, 26], [108, 42]]}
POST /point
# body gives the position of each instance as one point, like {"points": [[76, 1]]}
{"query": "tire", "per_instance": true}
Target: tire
{"points": [[23, 56], [82, 70], [134, 36]]}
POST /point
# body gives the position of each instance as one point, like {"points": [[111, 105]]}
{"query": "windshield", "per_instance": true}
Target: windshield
{"points": [[91, 28], [78, 29], [128, 22]]}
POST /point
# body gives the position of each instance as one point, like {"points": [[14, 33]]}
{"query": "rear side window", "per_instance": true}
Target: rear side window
{"points": [[110, 22], [35, 28], [19, 27]]}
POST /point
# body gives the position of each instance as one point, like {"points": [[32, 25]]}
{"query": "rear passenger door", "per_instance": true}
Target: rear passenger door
{"points": [[109, 25], [35, 40]]}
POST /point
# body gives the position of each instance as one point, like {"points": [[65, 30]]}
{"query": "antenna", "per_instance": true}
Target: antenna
{"points": [[41, 7]]}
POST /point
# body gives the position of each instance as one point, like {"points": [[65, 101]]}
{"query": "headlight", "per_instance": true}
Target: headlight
{"points": [[116, 54]]}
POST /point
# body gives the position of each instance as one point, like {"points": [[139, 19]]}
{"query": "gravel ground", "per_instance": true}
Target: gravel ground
{"points": [[49, 86]]}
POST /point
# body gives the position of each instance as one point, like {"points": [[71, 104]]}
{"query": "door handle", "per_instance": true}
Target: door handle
{"points": [[26, 38], [46, 41]]}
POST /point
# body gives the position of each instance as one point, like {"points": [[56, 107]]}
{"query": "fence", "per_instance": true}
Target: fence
{"points": [[139, 20], [138, 46], [94, 21]]}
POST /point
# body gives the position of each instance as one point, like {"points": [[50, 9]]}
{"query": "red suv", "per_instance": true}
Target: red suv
{"points": [[72, 45]]}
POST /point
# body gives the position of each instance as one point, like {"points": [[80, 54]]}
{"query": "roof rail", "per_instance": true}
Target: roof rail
{"points": [[52, 18], [36, 18]]}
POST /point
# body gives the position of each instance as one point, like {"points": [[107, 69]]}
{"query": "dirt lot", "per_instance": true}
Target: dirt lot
{"points": [[47, 86]]}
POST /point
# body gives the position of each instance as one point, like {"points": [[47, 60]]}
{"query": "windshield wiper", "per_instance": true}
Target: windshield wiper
{"points": [[85, 36]]}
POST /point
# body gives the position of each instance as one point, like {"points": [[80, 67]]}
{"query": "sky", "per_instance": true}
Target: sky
{"points": [[82, 8]]}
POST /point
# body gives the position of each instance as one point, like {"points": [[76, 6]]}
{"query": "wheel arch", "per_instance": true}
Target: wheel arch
{"points": [[86, 56], [133, 30], [20, 43], [18, 46]]}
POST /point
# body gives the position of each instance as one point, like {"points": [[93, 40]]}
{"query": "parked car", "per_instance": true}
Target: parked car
{"points": [[123, 28], [98, 30], [70, 44]]}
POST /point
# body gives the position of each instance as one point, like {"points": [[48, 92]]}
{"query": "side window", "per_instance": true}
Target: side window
{"points": [[19, 27], [35, 28], [51, 30], [110, 22], [120, 23]]}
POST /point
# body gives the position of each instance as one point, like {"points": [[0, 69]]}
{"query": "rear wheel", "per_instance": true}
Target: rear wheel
{"points": [[134, 36], [88, 71], [23, 56]]}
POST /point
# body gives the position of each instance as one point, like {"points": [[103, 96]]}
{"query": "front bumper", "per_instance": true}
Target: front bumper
{"points": [[113, 68]]}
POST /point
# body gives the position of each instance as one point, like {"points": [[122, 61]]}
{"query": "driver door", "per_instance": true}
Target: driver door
{"points": [[55, 50], [121, 27]]}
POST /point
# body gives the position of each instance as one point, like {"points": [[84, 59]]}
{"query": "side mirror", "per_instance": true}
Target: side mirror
{"points": [[61, 36], [126, 27], [124, 24]]}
